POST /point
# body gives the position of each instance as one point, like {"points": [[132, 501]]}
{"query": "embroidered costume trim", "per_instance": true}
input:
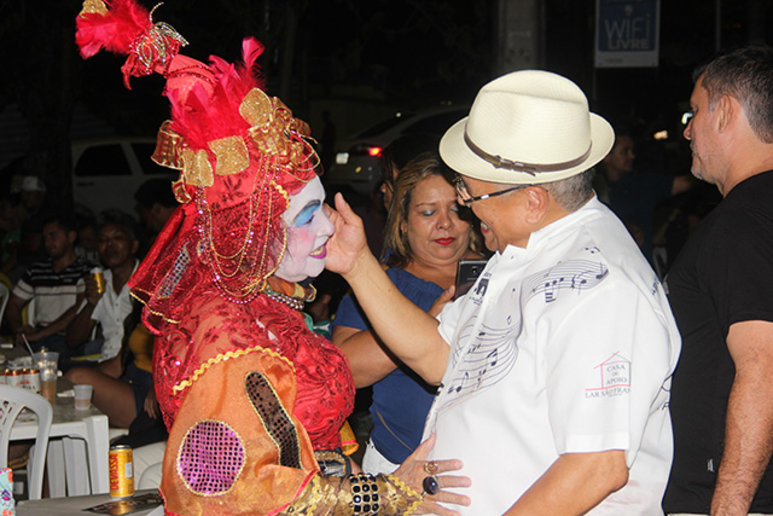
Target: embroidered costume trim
{"points": [[360, 494], [275, 420], [228, 355]]}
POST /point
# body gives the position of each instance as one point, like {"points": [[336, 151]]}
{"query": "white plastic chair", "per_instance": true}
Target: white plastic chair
{"points": [[12, 401], [28, 313], [4, 295]]}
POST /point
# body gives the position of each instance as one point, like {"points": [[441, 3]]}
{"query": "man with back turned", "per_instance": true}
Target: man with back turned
{"points": [[721, 293]]}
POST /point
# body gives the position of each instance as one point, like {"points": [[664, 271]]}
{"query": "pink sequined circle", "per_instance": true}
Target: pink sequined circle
{"points": [[211, 458]]}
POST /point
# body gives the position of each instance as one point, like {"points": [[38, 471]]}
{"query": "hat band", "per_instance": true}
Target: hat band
{"points": [[519, 166]]}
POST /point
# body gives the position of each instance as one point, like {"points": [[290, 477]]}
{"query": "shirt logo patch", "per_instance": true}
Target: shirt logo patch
{"points": [[613, 378]]}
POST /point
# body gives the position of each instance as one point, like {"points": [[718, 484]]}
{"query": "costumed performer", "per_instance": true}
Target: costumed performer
{"points": [[249, 392]]}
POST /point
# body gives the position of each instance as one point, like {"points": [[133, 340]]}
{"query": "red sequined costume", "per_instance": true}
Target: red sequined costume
{"points": [[249, 393]]}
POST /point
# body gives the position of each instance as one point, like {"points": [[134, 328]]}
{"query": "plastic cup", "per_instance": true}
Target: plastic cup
{"points": [[83, 396], [48, 391], [48, 363]]}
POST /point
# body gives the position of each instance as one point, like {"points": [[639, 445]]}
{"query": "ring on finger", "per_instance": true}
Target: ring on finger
{"points": [[431, 467], [430, 485]]}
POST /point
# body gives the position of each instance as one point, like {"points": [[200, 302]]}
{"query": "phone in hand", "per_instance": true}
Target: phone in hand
{"points": [[467, 271]]}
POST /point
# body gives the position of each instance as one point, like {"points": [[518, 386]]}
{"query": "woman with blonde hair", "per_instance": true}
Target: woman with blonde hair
{"points": [[427, 233]]}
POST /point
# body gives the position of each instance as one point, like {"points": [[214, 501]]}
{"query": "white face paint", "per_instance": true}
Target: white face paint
{"points": [[308, 230]]}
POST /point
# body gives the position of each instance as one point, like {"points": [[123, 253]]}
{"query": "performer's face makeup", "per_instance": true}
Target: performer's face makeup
{"points": [[308, 230]]}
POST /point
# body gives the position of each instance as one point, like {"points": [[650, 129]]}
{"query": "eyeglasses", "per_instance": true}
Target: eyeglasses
{"points": [[467, 199], [686, 117]]}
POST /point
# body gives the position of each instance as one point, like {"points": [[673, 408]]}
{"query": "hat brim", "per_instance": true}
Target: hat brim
{"points": [[457, 154]]}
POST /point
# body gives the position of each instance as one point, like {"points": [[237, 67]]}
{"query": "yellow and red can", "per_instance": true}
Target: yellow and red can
{"points": [[14, 377], [121, 471]]}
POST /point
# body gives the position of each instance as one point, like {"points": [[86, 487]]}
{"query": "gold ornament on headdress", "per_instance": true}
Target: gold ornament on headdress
{"points": [[273, 127], [94, 7], [158, 45], [274, 132], [231, 154], [169, 147], [197, 171]]}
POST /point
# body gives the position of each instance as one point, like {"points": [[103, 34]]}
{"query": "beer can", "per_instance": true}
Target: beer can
{"points": [[13, 377], [121, 471], [99, 277], [30, 380]]}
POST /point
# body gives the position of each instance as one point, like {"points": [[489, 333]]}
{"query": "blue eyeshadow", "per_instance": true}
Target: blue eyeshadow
{"points": [[306, 213]]}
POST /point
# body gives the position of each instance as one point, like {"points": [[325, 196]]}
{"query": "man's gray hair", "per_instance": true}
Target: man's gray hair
{"points": [[571, 193], [745, 74]]}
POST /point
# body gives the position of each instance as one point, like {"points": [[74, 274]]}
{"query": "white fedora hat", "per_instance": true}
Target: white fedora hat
{"points": [[527, 127]]}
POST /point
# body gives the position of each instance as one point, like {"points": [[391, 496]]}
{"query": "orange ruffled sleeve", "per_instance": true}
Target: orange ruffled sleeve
{"points": [[235, 447]]}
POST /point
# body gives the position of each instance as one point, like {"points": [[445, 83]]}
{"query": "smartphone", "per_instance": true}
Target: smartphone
{"points": [[467, 271]]}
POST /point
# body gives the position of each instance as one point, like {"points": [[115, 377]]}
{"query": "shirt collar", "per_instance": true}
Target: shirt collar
{"points": [[569, 222]]}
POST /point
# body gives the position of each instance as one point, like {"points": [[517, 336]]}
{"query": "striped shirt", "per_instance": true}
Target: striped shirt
{"points": [[54, 292]]}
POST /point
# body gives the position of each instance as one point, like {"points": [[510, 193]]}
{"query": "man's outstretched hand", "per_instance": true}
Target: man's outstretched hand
{"points": [[348, 245]]}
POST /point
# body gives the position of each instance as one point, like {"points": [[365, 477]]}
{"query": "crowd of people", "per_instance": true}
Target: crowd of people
{"points": [[59, 303], [572, 377]]}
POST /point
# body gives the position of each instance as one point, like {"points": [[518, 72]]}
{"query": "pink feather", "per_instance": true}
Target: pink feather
{"points": [[115, 31], [205, 99], [251, 50]]}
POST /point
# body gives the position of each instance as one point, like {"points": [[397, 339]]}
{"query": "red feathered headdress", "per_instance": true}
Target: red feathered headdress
{"points": [[240, 153]]}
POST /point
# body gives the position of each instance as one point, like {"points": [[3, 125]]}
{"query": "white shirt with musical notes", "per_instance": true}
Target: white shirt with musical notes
{"points": [[564, 346]]}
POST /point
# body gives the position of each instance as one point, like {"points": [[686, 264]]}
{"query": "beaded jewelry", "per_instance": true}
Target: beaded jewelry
{"points": [[293, 302], [365, 499]]}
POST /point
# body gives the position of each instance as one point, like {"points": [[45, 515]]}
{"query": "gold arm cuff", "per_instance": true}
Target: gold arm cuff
{"points": [[361, 494]]}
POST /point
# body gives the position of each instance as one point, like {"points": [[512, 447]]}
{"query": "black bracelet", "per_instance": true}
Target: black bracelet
{"points": [[365, 499]]}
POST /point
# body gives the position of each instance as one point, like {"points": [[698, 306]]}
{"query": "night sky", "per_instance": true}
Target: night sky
{"points": [[396, 53], [412, 53]]}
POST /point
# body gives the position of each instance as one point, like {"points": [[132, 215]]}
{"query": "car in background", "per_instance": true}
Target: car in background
{"points": [[107, 172], [357, 163]]}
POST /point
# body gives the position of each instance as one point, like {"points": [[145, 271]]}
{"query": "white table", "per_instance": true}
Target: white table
{"points": [[70, 505], [79, 430]]}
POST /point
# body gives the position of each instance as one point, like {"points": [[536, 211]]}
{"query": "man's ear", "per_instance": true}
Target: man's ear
{"points": [[537, 200], [72, 236], [725, 111]]}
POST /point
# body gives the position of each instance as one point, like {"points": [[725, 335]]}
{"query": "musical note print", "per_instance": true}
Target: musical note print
{"points": [[490, 352], [464, 335], [569, 276], [484, 363]]}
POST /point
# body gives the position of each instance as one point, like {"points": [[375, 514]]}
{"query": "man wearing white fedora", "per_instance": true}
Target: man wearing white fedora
{"points": [[554, 370]]}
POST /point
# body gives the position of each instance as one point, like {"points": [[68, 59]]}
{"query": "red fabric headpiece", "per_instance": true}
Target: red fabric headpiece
{"points": [[240, 153]]}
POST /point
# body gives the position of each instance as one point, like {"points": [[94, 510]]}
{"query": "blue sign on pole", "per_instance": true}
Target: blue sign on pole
{"points": [[627, 33]]}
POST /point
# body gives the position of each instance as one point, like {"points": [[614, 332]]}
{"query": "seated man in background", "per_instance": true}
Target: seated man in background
{"points": [[56, 286], [117, 245], [122, 381]]}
